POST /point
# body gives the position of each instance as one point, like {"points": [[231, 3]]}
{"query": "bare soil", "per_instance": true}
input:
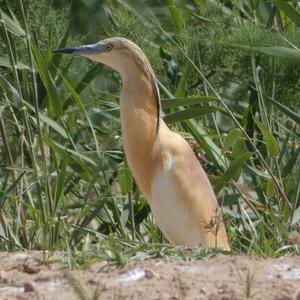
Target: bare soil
{"points": [[24, 276]]}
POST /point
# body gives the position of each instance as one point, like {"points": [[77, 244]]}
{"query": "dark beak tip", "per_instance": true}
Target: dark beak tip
{"points": [[64, 50]]}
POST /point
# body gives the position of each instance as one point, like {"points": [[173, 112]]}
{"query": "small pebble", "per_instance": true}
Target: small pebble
{"points": [[149, 274], [28, 287], [92, 282], [31, 266]]}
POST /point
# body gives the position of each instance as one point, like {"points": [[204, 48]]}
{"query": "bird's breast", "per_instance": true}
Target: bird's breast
{"points": [[172, 214]]}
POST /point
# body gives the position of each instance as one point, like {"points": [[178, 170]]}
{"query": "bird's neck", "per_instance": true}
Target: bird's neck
{"points": [[138, 122]]}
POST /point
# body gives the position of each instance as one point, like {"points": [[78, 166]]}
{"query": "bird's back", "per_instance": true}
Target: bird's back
{"points": [[182, 200]]}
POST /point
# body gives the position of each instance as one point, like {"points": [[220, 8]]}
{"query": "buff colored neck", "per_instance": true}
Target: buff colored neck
{"points": [[138, 122]]}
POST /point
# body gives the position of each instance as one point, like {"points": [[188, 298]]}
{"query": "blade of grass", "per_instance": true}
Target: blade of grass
{"points": [[85, 81], [190, 113], [269, 138], [82, 109], [176, 16], [288, 10], [12, 25], [185, 101], [4, 62], [233, 171], [55, 105]]}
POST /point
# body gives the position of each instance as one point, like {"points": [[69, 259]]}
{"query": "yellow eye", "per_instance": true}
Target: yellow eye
{"points": [[109, 47]]}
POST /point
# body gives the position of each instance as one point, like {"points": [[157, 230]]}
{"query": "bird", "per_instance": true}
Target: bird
{"points": [[162, 162]]}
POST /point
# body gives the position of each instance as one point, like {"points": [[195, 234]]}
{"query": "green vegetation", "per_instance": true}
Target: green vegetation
{"points": [[229, 76]]}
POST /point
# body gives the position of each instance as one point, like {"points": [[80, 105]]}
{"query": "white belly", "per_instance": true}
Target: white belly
{"points": [[171, 214]]}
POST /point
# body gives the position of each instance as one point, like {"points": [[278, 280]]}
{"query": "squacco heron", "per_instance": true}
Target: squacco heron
{"points": [[163, 164]]}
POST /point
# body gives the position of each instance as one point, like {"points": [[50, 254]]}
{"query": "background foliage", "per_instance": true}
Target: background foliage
{"points": [[228, 73]]}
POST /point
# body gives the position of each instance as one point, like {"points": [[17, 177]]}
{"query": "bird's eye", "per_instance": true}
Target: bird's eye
{"points": [[109, 47]]}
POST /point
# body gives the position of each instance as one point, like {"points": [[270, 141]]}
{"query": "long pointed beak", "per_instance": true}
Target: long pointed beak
{"points": [[82, 50]]}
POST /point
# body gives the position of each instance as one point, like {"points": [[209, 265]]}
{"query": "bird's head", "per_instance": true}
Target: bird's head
{"points": [[117, 53]]}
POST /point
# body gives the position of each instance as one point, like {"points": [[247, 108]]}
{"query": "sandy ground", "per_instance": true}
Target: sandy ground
{"points": [[23, 276]]}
